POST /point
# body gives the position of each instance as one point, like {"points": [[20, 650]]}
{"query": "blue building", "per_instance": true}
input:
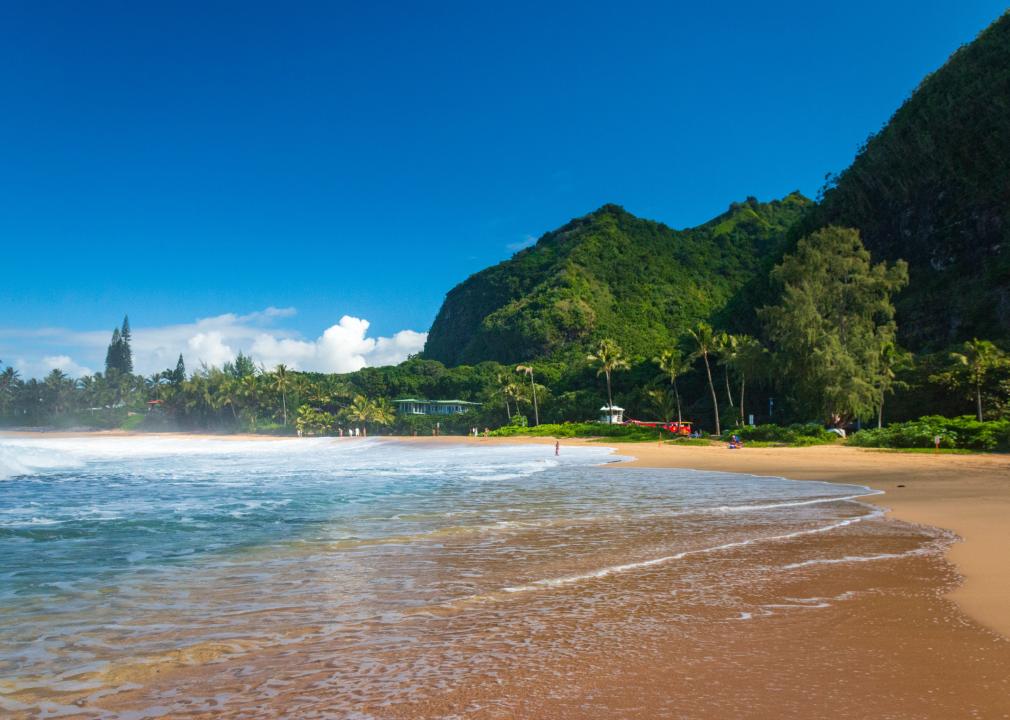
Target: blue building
{"points": [[415, 406]]}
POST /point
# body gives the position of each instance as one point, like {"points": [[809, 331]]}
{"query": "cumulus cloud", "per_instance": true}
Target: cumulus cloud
{"points": [[66, 364], [343, 347], [209, 348]]}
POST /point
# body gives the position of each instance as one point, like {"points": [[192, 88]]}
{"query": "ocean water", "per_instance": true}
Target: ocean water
{"points": [[361, 575]]}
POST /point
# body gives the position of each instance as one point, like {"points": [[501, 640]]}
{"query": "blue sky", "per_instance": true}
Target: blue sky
{"points": [[204, 162]]}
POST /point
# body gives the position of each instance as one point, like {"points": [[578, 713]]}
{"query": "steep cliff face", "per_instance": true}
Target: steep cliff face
{"points": [[933, 188], [608, 274]]}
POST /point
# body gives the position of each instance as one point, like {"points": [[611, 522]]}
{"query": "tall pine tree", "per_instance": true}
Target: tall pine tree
{"points": [[180, 372], [112, 361], [119, 356], [127, 351]]}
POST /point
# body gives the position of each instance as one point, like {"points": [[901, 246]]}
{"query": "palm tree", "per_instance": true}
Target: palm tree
{"points": [[280, 382], [229, 392], [248, 392], [528, 371], [725, 348], [510, 391], [361, 410], [608, 357], [977, 360], [672, 364], [383, 412], [8, 382], [749, 360], [892, 360], [58, 387], [8, 377], [660, 401], [704, 340]]}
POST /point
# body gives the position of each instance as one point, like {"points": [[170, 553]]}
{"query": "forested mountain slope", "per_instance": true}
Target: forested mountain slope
{"points": [[933, 188], [608, 274]]}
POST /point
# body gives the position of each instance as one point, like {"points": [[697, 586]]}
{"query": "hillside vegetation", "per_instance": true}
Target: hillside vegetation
{"points": [[608, 274], [933, 188]]}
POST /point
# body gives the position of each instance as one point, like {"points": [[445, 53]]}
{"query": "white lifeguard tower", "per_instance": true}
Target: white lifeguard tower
{"points": [[611, 415]]}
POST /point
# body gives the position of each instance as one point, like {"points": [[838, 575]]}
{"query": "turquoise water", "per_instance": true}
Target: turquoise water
{"points": [[117, 551]]}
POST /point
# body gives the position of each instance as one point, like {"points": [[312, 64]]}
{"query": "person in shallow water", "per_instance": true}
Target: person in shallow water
{"points": [[557, 447]]}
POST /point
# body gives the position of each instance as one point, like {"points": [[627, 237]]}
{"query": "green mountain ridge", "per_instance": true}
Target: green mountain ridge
{"points": [[608, 274]]}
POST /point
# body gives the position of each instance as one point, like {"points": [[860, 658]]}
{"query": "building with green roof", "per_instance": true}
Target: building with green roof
{"points": [[416, 406]]}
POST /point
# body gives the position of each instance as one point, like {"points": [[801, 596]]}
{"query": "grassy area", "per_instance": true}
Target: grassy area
{"points": [[132, 422], [929, 451]]}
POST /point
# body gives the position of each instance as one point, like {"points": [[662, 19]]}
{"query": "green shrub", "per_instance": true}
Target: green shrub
{"points": [[799, 434], [961, 432], [689, 441], [629, 433], [132, 422]]}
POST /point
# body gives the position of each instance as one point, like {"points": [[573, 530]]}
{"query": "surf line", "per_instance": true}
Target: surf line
{"points": [[615, 569]]}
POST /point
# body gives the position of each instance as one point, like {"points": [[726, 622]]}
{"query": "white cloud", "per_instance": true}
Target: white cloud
{"points": [[343, 347], [209, 348], [66, 364], [390, 351]]}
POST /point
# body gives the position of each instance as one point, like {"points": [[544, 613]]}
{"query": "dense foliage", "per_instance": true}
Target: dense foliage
{"points": [[624, 433], [933, 188], [833, 324], [798, 434], [962, 432], [607, 275]]}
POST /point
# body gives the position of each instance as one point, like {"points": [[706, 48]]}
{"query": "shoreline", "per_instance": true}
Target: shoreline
{"points": [[968, 495]]}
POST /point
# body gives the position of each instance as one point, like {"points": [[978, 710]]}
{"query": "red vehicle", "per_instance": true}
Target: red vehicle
{"points": [[674, 427]]}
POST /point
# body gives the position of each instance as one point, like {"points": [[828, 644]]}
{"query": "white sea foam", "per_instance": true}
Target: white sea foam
{"points": [[626, 567], [925, 550]]}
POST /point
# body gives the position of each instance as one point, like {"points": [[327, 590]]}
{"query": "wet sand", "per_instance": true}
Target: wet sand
{"points": [[966, 494]]}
